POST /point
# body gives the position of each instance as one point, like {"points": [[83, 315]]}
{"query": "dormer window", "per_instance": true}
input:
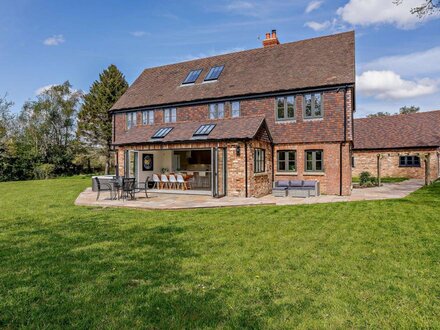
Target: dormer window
{"points": [[214, 73], [192, 76]]}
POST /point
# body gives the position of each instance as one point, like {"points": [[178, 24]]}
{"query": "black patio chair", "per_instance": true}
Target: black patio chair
{"points": [[143, 186], [128, 188], [103, 186]]}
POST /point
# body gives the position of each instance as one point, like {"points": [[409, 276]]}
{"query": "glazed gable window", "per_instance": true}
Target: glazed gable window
{"points": [[148, 117], [313, 105], [235, 109], [216, 111], [285, 108], [286, 161], [314, 161], [130, 118], [259, 161], [169, 115]]}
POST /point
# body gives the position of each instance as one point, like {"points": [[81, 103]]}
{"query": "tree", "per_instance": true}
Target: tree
{"points": [[6, 119], [426, 8], [379, 114], [94, 119], [405, 110], [47, 128]]}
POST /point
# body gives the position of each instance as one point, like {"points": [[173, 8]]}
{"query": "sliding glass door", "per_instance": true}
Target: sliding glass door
{"points": [[219, 172], [131, 164]]}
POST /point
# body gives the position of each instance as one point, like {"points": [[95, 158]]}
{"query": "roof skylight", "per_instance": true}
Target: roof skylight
{"points": [[192, 76], [204, 130], [214, 73], [161, 133]]}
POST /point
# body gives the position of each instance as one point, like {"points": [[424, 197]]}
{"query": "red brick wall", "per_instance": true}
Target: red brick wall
{"points": [[329, 179], [367, 161], [330, 128]]}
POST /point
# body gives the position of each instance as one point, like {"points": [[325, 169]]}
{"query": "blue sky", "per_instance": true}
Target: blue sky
{"points": [[47, 42]]}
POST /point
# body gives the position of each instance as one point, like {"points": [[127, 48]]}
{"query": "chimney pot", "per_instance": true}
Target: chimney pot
{"points": [[271, 39]]}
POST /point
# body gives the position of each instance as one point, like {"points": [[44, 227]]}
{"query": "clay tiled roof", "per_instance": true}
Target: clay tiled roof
{"points": [[398, 131], [225, 129], [318, 62]]}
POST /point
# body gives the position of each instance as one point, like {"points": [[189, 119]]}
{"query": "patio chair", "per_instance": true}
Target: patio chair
{"points": [[173, 181], [181, 181], [143, 186], [156, 181], [103, 186], [164, 181], [128, 188]]}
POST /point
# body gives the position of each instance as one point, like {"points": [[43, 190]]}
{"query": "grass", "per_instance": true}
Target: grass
{"points": [[355, 179], [343, 265]]}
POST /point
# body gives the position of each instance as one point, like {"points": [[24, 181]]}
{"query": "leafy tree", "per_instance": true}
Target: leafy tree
{"points": [[412, 109], [94, 119], [6, 119], [426, 7], [47, 128], [379, 114]]}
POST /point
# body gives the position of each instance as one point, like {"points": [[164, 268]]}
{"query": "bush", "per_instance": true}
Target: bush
{"points": [[44, 171], [367, 180]]}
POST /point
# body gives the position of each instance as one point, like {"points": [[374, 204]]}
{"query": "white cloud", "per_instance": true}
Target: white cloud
{"points": [[318, 26], [54, 40], [138, 33], [239, 5], [390, 85], [418, 63], [43, 89], [372, 12], [313, 5]]}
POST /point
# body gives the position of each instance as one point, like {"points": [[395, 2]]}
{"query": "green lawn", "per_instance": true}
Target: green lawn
{"points": [[343, 265]]}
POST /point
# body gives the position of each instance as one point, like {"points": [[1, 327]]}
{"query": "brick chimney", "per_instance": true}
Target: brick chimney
{"points": [[271, 39]]}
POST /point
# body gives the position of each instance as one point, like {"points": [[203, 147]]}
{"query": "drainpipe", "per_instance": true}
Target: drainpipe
{"points": [[345, 140], [273, 163], [246, 168]]}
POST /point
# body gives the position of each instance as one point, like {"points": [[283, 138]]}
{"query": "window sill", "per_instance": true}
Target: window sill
{"points": [[313, 118], [261, 174], [314, 173], [286, 173], [285, 121]]}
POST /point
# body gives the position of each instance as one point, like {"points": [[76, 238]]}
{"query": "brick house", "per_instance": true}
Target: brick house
{"points": [[239, 121], [399, 145]]}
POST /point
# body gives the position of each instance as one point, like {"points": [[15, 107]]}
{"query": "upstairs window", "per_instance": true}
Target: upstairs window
{"points": [[204, 130], [217, 111], [130, 119], [314, 161], [148, 117], [285, 108], [313, 105], [192, 76], [409, 161], [161, 133], [259, 161], [214, 73], [286, 161], [235, 109], [169, 115]]}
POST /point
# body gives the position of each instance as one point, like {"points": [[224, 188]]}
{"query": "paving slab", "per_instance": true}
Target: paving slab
{"points": [[166, 201]]}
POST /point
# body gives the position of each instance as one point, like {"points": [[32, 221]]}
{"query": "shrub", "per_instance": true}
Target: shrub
{"points": [[44, 171], [364, 178]]}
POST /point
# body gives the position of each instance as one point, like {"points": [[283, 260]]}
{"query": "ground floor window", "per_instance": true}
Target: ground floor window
{"points": [[409, 161], [259, 161], [314, 161], [286, 160]]}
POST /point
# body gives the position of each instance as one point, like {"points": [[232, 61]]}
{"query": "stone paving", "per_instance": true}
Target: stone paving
{"points": [[175, 201]]}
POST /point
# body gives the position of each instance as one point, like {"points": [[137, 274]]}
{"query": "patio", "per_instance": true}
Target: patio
{"points": [[167, 201]]}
